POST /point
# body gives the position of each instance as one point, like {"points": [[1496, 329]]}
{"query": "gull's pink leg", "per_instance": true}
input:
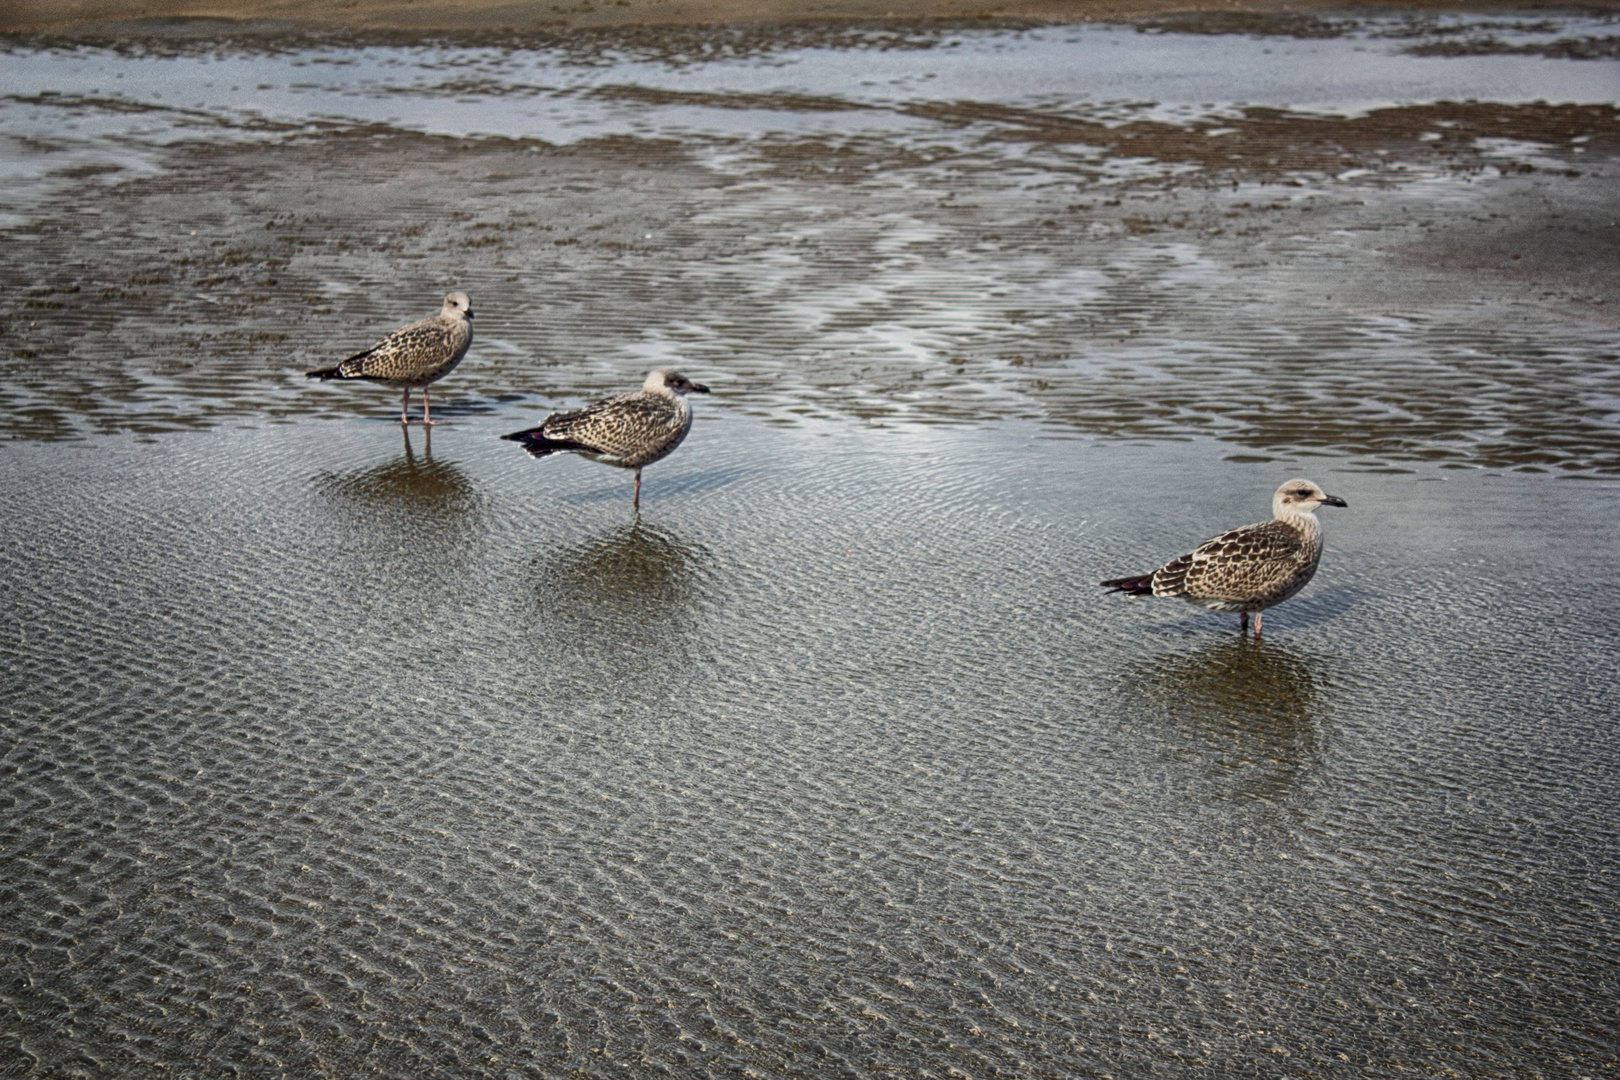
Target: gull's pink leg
{"points": [[1257, 623], [404, 406], [426, 414]]}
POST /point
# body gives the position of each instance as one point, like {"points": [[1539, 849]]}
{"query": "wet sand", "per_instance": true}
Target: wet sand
{"points": [[486, 15], [1079, 268]]}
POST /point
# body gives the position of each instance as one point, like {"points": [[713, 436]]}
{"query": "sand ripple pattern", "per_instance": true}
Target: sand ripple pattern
{"points": [[445, 768]]}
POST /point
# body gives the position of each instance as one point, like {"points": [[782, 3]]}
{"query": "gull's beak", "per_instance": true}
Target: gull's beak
{"points": [[1333, 500], [698, 388], [469, 314]]}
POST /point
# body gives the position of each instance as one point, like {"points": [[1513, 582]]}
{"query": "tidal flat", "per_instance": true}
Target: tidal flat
{"points": [[336, 749]]}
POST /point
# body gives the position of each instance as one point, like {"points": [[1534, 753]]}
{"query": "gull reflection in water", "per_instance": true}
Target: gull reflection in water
{"points": [[412, 484], [630, 586], [1248, 710]]}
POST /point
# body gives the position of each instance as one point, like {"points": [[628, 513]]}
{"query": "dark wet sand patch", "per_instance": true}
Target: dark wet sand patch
{"points": [[183, 18], [204, 292], [1592, 48], [678, 40]]}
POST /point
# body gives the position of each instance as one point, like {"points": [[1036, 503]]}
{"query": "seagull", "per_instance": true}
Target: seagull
{"points": [[414, 355], [1247, 569], [631, 431]]}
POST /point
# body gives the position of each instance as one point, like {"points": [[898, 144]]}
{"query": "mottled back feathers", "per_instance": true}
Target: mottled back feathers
{"points": [[631, 430], [414, 355], [1251, 568], [1245, 569]]}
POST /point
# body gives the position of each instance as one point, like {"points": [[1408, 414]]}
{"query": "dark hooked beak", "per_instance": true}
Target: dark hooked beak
{"points": [[697, 387], [469, 314], [1333, 500]]}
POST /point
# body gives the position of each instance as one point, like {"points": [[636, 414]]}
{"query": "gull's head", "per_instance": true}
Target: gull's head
{"points": [[1300, 497], [673, 381], [458, 306]]}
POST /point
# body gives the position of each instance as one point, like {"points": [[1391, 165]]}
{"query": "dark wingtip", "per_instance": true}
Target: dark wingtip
{"points": [[1141, 585], [535, 442], [325, 373]]}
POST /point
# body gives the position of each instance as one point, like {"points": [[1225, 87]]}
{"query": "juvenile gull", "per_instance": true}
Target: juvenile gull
{"points": [[414, 355], [631, 431], [1247, 569]]}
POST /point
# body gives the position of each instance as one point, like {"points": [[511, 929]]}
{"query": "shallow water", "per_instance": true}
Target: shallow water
{"points": [[335, 753]]}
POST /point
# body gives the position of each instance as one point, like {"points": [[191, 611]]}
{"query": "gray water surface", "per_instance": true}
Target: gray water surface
{"points": [[333, 751], [334, 758]]}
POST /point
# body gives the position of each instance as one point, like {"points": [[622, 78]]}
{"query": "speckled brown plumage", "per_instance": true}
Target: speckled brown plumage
{"points": [[1248, 569], [630, 431], [414, 355]]}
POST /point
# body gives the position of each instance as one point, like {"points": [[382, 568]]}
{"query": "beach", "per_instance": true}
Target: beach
{"points": [[492, 15], [340, 747]]}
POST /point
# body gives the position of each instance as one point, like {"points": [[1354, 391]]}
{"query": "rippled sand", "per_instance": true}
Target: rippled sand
{"points": [[333, 751]]}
